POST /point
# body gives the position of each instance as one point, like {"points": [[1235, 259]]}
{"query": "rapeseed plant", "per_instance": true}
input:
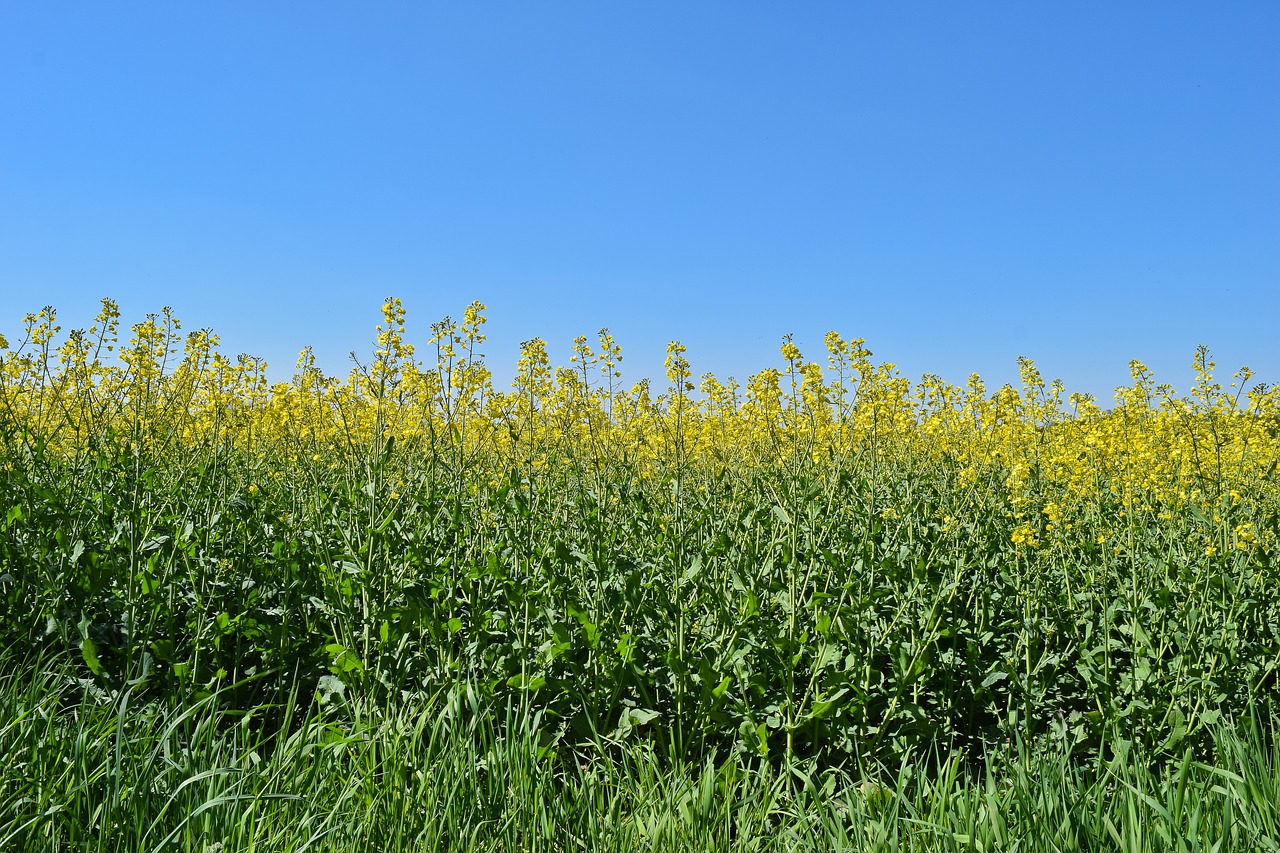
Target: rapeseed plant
{"points": [[1154, 452], [822, 560]]}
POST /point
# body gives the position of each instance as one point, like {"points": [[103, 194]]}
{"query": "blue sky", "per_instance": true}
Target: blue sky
{"points": [[960, 184]]}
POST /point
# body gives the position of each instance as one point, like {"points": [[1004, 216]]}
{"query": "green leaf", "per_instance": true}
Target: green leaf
{"points": [[994, 677], [329, 686], [89, 651], [822, 708], [163, 650], [344, 660], [524, 681], [642, 716], [626, 648], [762, 740]]}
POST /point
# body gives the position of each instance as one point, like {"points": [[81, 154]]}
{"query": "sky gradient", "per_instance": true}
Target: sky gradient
{"points": [[960, 184]]}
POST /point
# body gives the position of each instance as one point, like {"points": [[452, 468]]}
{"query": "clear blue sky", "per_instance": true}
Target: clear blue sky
{"points": [[960, 183]]}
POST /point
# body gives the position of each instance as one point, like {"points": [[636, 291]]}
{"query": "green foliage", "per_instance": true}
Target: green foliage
{"points": [[789, 626], [820, 615]]}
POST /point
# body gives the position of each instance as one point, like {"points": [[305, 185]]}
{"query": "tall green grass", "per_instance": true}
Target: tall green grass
{"points": [[86, 772]]}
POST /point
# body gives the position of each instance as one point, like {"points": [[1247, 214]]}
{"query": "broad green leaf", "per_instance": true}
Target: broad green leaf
{"points": [[89, 651]]}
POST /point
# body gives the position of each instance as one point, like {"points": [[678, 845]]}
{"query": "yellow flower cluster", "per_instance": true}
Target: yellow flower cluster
{"points": [[1058, 458]]}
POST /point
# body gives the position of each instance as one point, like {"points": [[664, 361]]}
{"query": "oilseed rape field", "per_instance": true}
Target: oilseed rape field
{"points": [[828, 607]]}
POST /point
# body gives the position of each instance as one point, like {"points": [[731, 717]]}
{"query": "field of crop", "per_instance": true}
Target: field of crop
{"points": [[827, 608]]}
